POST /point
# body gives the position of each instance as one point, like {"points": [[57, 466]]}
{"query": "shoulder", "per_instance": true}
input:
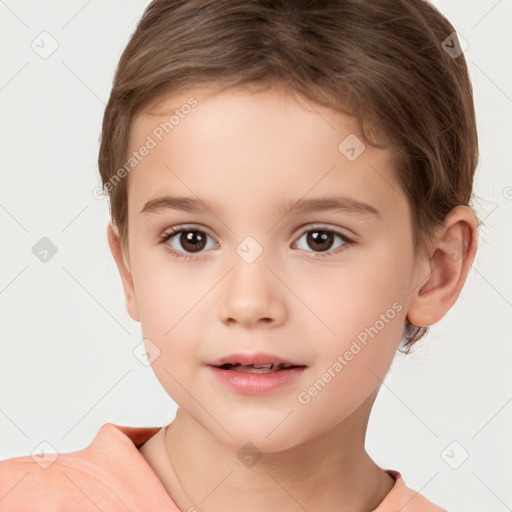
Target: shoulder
{"points": [[402, 498], [52, 484], [96, 477]]}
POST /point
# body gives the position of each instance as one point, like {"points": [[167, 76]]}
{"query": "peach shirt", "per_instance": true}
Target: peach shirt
{"points": [[112, 475]]}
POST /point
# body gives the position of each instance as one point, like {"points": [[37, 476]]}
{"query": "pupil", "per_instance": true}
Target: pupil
{"points": [[193, 240], [321, 239]]}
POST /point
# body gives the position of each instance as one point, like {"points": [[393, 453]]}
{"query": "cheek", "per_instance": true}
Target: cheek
{"points": [[168, 300], [370, 291], [165, 290], [362, 308], [351, 362], [169, 309]]}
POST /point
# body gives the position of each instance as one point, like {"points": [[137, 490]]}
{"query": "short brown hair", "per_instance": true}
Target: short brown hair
{"points": [[382, 61]]}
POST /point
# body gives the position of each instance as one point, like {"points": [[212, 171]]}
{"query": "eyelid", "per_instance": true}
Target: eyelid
{"points": [[185, 227], [348, 234]]}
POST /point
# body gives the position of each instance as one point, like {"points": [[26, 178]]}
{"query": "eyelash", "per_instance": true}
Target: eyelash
{"points": [[165, 237]]}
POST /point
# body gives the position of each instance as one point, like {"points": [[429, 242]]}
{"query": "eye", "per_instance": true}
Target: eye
{"points": [[187, 241], [323, 239], [190, 239]]}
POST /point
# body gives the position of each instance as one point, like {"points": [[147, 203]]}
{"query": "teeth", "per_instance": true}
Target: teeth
{"points": [[261, 368], [256, 368]]}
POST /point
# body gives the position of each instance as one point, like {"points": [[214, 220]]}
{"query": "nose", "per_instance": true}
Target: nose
{"points": [[252, 295]]}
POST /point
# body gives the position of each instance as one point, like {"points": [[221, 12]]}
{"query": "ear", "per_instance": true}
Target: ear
{"points": [[124, 270], [450, 256]]}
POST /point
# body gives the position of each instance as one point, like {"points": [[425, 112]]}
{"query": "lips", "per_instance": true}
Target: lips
{"points": [[255, 363], [256, 374]]}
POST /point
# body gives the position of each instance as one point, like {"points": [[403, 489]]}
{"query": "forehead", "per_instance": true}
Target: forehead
{"points": [[242, 143]]}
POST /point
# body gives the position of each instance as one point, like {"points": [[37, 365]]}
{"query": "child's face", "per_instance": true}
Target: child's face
{"points": [[340, 311]]}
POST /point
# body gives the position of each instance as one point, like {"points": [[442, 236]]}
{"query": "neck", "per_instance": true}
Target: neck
{"points": [[321, 474]]}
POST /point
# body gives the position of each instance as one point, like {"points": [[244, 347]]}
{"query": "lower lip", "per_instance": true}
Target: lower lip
{"points": [[256, 383]]}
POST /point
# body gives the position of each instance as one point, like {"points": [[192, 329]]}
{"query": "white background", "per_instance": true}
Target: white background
{"points": [[66, 364]]}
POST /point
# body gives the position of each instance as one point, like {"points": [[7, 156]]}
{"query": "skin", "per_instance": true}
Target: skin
{"points": [[251, 152]]}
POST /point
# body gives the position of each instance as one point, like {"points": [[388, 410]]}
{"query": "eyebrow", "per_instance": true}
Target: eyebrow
{"points": [[191, 205]]}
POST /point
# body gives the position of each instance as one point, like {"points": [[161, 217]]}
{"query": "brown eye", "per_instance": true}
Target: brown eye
{"points": [[322, 240], [186, 241], [192, 241]]}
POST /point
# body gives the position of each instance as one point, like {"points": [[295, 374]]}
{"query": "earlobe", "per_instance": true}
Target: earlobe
{"points": [[124, 270], [451, 255]]}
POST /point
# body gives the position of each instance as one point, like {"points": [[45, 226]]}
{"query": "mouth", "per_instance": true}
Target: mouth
{"points": [[256, 374], [255, 363], [258, 368]]}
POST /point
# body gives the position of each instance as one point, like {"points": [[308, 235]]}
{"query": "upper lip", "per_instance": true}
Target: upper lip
{"points": [[255, 358]]}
